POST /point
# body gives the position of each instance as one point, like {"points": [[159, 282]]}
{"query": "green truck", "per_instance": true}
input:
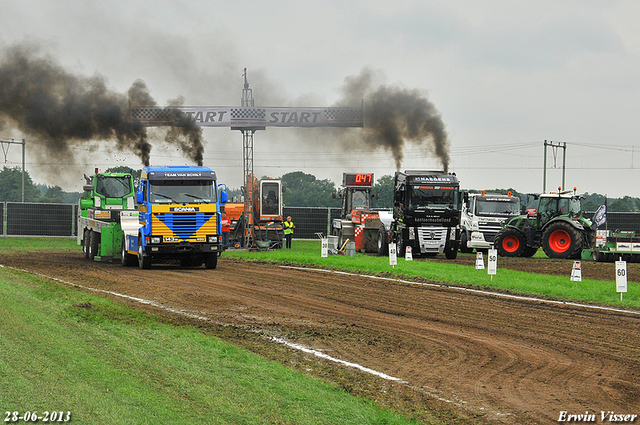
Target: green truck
{"points": [[108, 205]]}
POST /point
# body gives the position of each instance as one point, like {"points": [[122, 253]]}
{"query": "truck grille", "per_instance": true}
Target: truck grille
{"points": [[185, 225], [490, 230], [432, 239]]}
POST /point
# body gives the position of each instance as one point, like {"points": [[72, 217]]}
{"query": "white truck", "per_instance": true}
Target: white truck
{"points": [[482, 218]]}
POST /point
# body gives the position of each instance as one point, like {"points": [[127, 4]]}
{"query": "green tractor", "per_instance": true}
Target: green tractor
{"points": [[552, 221]]}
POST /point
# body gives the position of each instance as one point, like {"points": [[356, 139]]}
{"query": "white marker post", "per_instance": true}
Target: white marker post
{"points": [[407, 254], [576, 272], [393, 259], [492, 266], [621, 277], [325, 247], [479, 261]]}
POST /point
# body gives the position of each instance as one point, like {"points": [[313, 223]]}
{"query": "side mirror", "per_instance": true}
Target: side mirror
{"points": [[466, 197], [139, 197], [224, 197]]}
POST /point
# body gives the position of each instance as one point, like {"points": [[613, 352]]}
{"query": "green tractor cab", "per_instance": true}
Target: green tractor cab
{"points": [[552, 221]]}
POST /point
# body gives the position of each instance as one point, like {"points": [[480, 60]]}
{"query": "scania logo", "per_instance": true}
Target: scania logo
{"points": [[183, 209]]}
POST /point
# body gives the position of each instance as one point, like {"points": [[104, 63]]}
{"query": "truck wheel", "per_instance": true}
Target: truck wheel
{"points": [[383, 241], [561, 240], [125, 258], [451, 251], [211, 260], [510, 242], [94, 244], [463, 243], [144, 261], [86, 240]]}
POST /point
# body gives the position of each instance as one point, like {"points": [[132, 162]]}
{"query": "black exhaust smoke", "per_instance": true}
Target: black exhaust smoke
{"points": [[393, 116], [60, 109]]}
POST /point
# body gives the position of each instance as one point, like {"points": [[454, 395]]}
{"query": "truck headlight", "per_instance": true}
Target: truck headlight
{"points": [[412, 233], [156, 239], [212, 239]]}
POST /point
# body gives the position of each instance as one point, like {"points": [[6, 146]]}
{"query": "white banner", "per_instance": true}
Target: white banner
{"points": [[249, 117]]}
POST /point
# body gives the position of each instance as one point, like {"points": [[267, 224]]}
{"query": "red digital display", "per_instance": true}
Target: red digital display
{"points": [[358, 179]]}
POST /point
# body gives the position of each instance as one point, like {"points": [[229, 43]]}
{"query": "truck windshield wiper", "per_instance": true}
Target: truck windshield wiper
{"points": [[165, 196], [194, 196]]}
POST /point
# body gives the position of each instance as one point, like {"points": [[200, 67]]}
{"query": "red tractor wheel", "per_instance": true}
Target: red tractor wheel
{"points": [[510, 242], [561, 240]]}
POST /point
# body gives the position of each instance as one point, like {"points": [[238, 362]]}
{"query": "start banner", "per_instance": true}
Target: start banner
{"points": [[248, 117]]}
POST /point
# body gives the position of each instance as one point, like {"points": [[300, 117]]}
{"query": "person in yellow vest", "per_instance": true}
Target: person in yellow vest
{"points": [[288, 231]]}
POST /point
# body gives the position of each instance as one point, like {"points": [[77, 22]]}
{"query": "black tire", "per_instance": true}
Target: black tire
{"points": [[561, 240], [510, 242], [94, 244], [126, 259], [211, 260], [451, 250], [463, 243], [383, 241], [86, 240], [144, 261]]}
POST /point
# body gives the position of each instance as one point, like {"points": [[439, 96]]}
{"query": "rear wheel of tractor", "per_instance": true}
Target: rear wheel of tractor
{"points": [[383, 241], [94, 244], [463, 243], [561, 240], [126, 259], [144, 261], [510, 242], [86, 241], [211, 260]]}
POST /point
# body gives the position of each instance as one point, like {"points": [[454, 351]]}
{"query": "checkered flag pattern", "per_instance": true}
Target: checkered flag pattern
{"points": [[248, 114], [153, 114], [343, 114]]}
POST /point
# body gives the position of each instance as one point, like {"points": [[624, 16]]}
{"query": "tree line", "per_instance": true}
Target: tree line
{"points": [[300, 190]]}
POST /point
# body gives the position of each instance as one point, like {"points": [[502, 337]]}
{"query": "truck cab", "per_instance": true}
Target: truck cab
{"points": [[482, 217], [426, 213], [179, 217]]}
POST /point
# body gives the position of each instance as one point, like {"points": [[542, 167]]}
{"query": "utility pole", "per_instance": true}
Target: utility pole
{"points": [[555, 147], [23, 156]]}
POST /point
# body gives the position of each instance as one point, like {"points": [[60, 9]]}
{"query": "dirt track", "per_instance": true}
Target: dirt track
{"points": [[465, 357]]}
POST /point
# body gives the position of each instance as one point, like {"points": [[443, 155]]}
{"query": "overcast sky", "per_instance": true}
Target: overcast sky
{"points": [[504, 77]]}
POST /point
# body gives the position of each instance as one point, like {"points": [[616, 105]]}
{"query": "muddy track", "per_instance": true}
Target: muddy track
{"points": [[463, 357]]}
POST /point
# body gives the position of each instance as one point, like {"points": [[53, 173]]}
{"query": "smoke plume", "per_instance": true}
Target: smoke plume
{"points": [[394, 116], [62, 110]]}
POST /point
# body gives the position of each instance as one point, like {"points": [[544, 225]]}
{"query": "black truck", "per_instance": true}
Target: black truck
{"points": [[426, 214]]}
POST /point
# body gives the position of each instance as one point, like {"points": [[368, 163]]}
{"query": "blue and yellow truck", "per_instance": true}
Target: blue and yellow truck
{"points": [[179, 210], [177, 218]]}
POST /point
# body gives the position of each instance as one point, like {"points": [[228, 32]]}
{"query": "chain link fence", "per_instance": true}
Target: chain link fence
{"points": [[36, 219]]}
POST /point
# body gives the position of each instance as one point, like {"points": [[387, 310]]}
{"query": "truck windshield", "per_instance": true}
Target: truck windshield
{"points": [[182, 191], [497, 206], [112, 186], [423, 197]]}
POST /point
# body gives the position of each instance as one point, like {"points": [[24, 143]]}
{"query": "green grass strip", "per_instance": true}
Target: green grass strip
{"points": [[64, 350], [541, 285]]}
